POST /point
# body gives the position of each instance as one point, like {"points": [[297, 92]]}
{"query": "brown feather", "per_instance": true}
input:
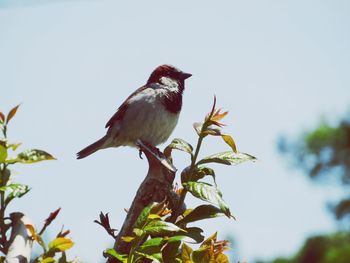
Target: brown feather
{"points": [[122, 109]]}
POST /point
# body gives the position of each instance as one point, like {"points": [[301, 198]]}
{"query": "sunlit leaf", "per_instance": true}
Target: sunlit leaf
{"points": [[128, 239], [208, 193], [3, 153], [186, 252], [32, 156], [47, 260], [12, 113], [201, 255], [60, 244], [228, 158], [210, 240], [153, 216], [229, 140], [221, 258], [160, 227], [201, 212], [31, 230], [138, 232], [178, 144], [14, 146], [111, 252], [35, 236]]}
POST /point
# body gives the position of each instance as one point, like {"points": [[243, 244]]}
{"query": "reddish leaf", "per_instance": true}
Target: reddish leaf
{"points": [[2, 117], [52, 217], [12, 113]]}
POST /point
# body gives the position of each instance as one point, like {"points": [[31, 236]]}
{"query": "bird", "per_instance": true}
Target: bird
{"points": [[149, 114]]}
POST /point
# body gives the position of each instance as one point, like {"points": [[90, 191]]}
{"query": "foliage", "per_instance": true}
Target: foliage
{"points": [[322, 249], [162, 235], [9, 191], [323, 153]]}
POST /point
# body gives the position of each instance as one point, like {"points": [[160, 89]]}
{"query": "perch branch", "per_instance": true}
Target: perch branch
{"points": [[156, 187]]}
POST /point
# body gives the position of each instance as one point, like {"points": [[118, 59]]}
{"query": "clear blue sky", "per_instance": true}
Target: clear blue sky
{"points": [[277, 66]]}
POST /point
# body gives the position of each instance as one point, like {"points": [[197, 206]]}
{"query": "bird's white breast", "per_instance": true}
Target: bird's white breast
{"points": [[146, 118]]}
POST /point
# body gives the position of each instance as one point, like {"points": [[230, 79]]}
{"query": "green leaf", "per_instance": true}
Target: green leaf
{"points": [[111, 252], [170, 251], [201, 212], [15, 191], [176, 238], [33, 156], [212, 131], [138, 232], [14, 146], [12, 113], [208, 193], [230, 142], [178, 144], [228, 158], [156, 227], [157, 241], [3, 153], [143, 217], [198, 173], [47, 260], [155, 257], [60, 244]]}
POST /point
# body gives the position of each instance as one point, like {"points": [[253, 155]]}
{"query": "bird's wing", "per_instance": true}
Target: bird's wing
{"points": [[123, 108]]}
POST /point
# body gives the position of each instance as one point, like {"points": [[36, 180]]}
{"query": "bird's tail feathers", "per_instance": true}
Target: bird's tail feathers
{"points": [[92, 148]]}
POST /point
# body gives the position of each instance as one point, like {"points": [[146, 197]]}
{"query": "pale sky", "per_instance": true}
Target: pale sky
{"points": [[277, 66]]}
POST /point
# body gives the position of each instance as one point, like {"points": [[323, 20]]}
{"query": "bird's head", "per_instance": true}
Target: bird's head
{"points": [[170, 72]]}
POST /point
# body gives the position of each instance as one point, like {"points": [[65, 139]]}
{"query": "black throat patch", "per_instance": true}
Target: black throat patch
{"points": [[173, 100]]}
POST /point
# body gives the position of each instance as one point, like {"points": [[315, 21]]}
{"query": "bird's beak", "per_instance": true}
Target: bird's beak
{"points": [[185, 75]]}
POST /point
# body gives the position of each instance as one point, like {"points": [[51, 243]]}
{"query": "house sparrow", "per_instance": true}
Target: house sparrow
{"points": [[149, 114]]}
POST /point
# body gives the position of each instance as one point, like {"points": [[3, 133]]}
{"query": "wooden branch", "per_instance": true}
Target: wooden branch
{"points": [[156, 187], [20, 248]]}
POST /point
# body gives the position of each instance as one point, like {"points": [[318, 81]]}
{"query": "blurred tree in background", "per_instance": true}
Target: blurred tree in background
{"points": [[322, 249], [324, 154]]}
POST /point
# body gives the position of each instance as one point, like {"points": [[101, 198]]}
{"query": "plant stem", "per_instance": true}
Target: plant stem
{"points": [[192, 167], [205, 125], [3, 182], [3, 229]]}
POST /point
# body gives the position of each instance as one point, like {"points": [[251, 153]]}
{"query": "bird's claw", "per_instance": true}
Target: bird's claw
{"points": [[140, 154]]}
